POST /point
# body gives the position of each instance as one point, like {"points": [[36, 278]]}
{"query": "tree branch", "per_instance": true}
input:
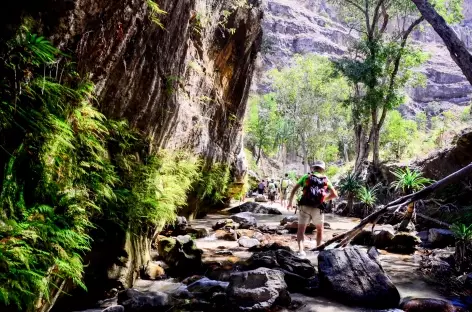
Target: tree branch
{"points": [[402, 201], [456, 47], [376, 17]]}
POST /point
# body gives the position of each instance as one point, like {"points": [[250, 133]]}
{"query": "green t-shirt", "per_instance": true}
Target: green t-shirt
{"points": [[302, 180]]}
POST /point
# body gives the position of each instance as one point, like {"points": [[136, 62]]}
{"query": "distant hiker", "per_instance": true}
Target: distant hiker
{"points": [[261, 187], [272, 191], [284, 184], [316, 190]]}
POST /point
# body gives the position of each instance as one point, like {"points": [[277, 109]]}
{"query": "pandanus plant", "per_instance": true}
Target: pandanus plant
{"points": [[409, 181], [368, 197], [463, 252], [349, 186]]}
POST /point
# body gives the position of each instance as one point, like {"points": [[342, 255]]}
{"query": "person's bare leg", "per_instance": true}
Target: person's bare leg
{"points": [[301, 237], [319, 234]]}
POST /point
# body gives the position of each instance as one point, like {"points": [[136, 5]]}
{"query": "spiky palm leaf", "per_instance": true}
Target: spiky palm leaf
{"points": [[409, 180]]}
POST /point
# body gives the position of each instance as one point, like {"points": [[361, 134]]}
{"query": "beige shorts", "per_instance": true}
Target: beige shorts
{"points": [[307, 214]]}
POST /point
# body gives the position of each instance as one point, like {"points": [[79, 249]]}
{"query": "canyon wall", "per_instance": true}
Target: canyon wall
{"points": [[315, 26]]}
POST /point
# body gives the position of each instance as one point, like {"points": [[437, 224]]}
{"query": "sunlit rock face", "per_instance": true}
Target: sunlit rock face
{"points": [[315, 26], [184, 85]]}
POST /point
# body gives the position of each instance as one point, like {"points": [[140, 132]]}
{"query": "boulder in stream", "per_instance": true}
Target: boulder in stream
{"points": [[115, 308], [410, 304], [441, 238], [292, 227], [181, 254], [383, 238], [404, 243], [245, 219], [255, 208], [355, 277], [289, 219], [199, 232], [136, 301], [226, 224], [247, 242], [261, 199], [257, 290]]}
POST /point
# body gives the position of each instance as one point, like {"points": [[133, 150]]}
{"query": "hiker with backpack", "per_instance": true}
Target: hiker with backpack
{"points": [[272, 191], [261, 187], [284, 185], [316, 190]]}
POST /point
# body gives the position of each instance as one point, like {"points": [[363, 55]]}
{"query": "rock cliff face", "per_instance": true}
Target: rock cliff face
{"points": [[314, 26], [184, 85]]}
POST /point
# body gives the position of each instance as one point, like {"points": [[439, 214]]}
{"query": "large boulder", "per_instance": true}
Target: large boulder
{"points": [[181, 254], [298, 271], [247, 242], [199, 232], [383, 238], [364, 238], [254, 208], [289, 219], [356, 277], [404, 243], [257, 290], [206, 288], [261, 199], [153, 271], [227, 235], [225, 224], [292, 227], [441, 238], [245, 219], [135, 301], [410, 304]]}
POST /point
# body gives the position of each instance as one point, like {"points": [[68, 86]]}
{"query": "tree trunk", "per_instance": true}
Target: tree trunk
{"points": [[456, 47], [258, 155], [376, 146], [305, 154], [346, 152], [362, 147]]}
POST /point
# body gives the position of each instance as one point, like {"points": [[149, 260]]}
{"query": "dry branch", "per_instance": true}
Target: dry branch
{"points": [[346, 237]]}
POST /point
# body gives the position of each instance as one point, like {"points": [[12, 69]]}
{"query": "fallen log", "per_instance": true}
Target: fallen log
{"points": [[346, 237]]}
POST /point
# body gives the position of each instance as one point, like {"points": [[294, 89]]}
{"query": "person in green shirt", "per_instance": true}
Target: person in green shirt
{"points": [[316, 189]]}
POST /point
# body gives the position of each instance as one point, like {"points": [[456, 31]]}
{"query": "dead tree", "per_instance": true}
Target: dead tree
{"points": [[373, 218]]}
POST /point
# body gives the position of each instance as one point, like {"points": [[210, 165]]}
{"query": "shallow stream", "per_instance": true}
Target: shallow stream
{"points": [[402, 269]]}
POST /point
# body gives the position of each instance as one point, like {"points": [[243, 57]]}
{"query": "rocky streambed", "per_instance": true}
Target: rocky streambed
{"points": [[243, 261]]}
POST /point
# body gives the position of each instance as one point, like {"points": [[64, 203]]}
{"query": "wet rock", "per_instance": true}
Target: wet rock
{"points": [[229, 235], [468, 281], [259, 236], [423, 235], [248, 233], [270, 247], [181, 254], [441, 238], [153, 271], [198, 232], [404, 243], [292, 227], [223, 253], [364, 238], [352, 276], [227, 224], [247, 242], [207, 286], [282, 259], [382, 239], [254, 208], [261, 199], [257, 290], [136, 301], [269, 229], [116, 308], [409, 228], [410, 304], [327, 226], [245, 219], [288, 219]]}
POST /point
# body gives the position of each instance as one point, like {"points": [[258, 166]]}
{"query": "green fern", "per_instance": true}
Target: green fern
{"points": [[155, 11]]}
